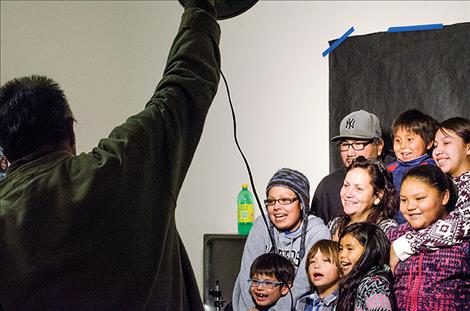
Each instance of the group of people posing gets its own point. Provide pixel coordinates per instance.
(396, 236)
(84, 232)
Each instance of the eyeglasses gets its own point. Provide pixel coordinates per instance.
(266, 284)
(357, 146)
(282, 201)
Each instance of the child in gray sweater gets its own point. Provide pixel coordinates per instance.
(292, 232)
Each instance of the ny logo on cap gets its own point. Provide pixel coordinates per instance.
(350, 123)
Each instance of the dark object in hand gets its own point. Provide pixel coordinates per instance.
(228, 8)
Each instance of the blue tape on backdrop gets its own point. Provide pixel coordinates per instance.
(338, 42)
(415, 28)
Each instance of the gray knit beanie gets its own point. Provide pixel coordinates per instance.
(297, 182)
(293, 180)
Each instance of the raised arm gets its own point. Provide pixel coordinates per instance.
(164, 136)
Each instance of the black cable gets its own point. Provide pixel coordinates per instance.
(234, 119)
(287, 285)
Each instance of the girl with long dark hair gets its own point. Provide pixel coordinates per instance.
(367, 280)
(452, 153)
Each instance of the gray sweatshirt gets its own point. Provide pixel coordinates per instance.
(288, 245)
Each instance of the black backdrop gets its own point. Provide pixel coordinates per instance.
(388, 73)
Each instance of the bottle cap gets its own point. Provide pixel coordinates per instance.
(244, 186)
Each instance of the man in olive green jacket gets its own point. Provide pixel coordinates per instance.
(96, 231)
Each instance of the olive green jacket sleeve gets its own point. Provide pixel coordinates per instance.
(97, 231)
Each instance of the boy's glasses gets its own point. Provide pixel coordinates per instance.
(266, 284)
(282, 201)
(357, 146)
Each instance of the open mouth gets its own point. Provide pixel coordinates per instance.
(349, 206)
(406, 154)
(261, 297)
(280, 217)
(317, 276)
(441, 160)
(346, 265)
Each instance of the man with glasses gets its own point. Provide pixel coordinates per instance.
(360, 135)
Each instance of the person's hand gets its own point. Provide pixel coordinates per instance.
(394, 260)
(253, 309)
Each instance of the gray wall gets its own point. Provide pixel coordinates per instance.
(109, 55)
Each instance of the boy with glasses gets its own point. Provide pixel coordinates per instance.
(290, 232)
(360, 135)
(271, 276)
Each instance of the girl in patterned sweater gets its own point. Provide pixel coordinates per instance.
(452, 155)
(367, 280)
(438, 280)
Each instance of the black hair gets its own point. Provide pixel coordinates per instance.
(460, 126)
(381, 183)
(416, 122)
(435, 178)
(33, 113)
(375, 257)
(274, 265)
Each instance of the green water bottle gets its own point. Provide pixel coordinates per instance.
(245, 210)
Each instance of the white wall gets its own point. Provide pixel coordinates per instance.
(109, 55)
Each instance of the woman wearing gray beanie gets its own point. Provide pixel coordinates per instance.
(293, 231)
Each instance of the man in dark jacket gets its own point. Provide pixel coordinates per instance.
(96, 231)
(360, 135)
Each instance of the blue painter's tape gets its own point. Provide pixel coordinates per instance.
(338, 42)
(415, 28)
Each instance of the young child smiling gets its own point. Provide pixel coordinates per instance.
(367, 281)
(271, 276)
(437, 280)
(290, 232)
(413, 136)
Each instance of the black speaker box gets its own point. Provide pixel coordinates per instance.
(222, 258)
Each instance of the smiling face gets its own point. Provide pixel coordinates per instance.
(357, 194)
(408, 145)
(451, 153)
(284, 217)
(323, 274)
(350, 251)
(372, 150)
(267, 296)
(422, 204)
